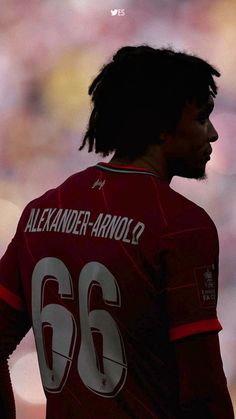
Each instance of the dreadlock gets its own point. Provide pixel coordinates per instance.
(141, 92)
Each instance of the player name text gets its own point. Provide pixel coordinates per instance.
(80, 222)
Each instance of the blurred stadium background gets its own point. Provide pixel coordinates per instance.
(49, 53)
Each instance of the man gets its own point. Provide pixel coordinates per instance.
(116, 272)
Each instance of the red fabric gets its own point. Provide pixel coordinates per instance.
(123, 167)
(150, 257)
(10, 298)
(194, 328)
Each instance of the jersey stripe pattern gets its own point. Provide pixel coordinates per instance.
(110, 268)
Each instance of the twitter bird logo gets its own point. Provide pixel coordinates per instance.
(114, 12)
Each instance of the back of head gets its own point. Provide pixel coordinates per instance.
(142, 92)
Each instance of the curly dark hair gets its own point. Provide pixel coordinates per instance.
(140, 93)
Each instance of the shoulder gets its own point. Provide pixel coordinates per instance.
(52, 198)
(186, 213)
(188, 223)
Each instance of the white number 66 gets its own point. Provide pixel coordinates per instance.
(64, 330)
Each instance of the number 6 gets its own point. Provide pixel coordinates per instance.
(109, 383)
(61, 320)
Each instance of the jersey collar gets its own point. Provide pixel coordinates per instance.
(110, 167)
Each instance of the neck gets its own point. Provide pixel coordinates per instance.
(151, 160)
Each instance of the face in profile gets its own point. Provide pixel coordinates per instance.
(189, 147)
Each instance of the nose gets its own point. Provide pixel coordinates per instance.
(213, 134)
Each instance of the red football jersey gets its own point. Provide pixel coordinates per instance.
(109, 269)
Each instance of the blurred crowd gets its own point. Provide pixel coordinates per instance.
(49, 53)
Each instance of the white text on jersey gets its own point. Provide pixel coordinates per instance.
(79, 222)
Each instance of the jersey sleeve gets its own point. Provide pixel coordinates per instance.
(14, 317)
(10, 284)
(190, 251)
(13, 327)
